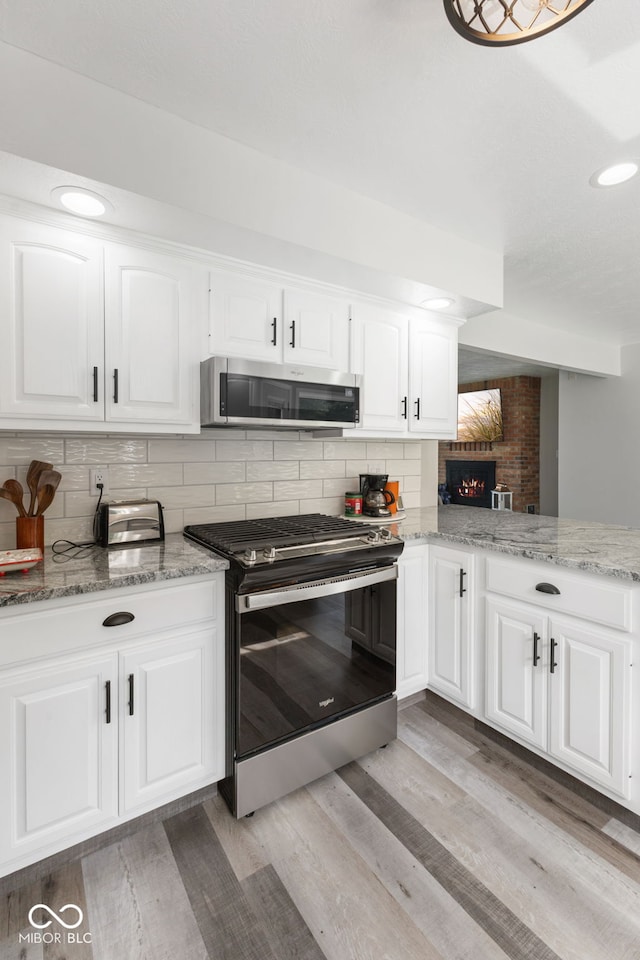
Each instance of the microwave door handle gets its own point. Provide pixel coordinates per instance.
(309, 591)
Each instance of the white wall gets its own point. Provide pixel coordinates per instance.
(549, 445)
(599, 445)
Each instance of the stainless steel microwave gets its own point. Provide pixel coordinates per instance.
(236, 392)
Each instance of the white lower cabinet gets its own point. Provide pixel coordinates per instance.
(561, 684)
(411, 656)
(452, 647)
(113, 725)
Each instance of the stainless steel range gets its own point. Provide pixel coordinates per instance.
(311, 648)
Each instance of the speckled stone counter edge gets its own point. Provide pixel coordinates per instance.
(101, 569)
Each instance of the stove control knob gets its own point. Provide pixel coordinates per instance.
(373, 536)
(269, 553)
(250, 556)
(385, 534)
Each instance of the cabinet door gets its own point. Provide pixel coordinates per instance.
(590, 702)
(411, 662)
(316, 330)
(380, 352)
(433, 379)
(451, 646)
(245, 317)
(169, 700)
(58, 743)
(51, 321)
(516, 665)
(150, 337)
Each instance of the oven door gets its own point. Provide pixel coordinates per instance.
(312, 653)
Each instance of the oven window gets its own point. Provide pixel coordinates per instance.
(304, 663)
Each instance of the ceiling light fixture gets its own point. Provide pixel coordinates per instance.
(437, 303)
(78, 200)
(615, 174)
(504, 22)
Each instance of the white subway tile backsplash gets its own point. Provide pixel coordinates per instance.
(234, 511)
(100, 450)
(297, 489)
(23, 449)
(125, 475)
(273, 470)
(297, 450)
(243, 492)
(162, 451)
(344, 449)
(217, 476)
(231, 472)
(277, 508)
(321, 468)
(244, 450)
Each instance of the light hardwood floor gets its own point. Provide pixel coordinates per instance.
(443, 846)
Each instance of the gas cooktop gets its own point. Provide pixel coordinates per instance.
(266, 541)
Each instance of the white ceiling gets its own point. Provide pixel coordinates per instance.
(383, 97)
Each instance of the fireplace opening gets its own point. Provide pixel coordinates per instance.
(470, 482)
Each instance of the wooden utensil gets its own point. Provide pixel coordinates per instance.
(14, 488)
(35, 469)
(46, 494)
(49, 477)
(6, 495)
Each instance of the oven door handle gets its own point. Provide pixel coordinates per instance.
(309, 591)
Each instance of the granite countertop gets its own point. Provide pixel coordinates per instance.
(599, 548)
(95, 569)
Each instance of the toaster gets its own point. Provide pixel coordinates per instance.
(124, 522)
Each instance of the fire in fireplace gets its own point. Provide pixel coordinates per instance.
(470, 482)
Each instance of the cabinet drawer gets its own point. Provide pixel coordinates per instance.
(599, 599)
(49, 627)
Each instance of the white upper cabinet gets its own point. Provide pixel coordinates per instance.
(316, 330)
(149, 337)
(51, 319)
(245, 317)
(95, 333)
(263, 320)
(380, 354)
(409, 367)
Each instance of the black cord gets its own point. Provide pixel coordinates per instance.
(75, 551)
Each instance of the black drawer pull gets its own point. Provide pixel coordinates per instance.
(405, 400)
(292, 327)
(117, 619)
(107, 707)
(552, 661)
(547, 588)
(95, 384)
(274, 327)
(130, 694)
(115, 385)
(462, 587)
(536, 655)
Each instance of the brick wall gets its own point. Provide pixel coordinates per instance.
(518, 455)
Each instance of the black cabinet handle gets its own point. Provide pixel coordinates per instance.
(552, 660)
(293, 333)
(95, 384)
(405, 401)
(274, 326)
(547, 588)
(107, 695)
(115, 385)
(130, 681)
(536, 655)
(417, 402)
(463, 589)
(117, 619)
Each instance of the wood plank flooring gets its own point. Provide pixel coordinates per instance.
(443, 846)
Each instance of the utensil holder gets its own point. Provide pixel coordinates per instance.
(30, 533)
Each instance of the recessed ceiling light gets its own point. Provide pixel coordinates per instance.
(83, 202)
(437, 303)
(615, 174)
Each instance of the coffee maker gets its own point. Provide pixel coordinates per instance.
(375, 499)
